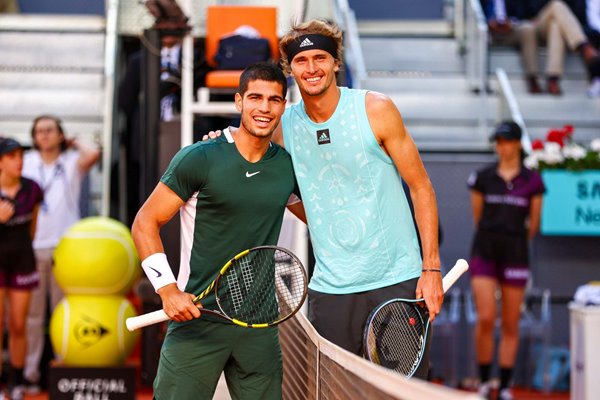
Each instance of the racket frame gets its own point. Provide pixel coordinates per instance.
(449, 279)
(154, 317)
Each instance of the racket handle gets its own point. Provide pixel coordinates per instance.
(452, 276)
(143, 320)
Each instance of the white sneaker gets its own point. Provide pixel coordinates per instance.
(17, 393)
(594, 89)
(485, 389)
(505, 394)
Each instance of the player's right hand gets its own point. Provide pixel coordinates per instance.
(212, 135)
(178, 305)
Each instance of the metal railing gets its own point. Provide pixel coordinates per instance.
(471, 33)
(459, 24)
(345, 18)
(110, 60)
(508, 107)
(476, 46)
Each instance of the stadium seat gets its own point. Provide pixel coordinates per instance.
(222, 20)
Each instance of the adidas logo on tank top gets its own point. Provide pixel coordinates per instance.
(323, 136)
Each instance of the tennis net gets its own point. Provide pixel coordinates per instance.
(316, 369)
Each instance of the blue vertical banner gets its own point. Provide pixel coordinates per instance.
(572, 203)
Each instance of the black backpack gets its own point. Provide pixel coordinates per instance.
(238, 52)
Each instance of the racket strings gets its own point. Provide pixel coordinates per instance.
(264, 286)
(290, 282)
(396, 337)
(235, 292)
(239, 284)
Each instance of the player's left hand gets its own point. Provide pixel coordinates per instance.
(429, 287)
(212, 135)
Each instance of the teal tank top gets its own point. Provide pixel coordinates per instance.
(359, 219)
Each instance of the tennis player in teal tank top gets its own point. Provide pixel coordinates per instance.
(350, 150)
(231, 194)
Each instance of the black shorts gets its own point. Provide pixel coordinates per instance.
(502, 256)
(17, 266)
(341, 318)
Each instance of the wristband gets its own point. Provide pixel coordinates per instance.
(431, 270)
(158, 270)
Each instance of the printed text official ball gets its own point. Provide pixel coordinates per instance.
(96, 256)
(89, 331)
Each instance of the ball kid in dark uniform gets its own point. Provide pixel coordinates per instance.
(506, 198)
(20, 199)
(231, 194)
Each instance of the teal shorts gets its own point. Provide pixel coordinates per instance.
(195, 353)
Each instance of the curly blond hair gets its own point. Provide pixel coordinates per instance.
(315, 26)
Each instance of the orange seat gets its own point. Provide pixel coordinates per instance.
(222, 20)
(223, 79)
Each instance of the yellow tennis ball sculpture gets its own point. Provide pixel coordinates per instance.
(96, 256)
(89, 331)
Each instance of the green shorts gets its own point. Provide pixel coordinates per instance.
(195, 353)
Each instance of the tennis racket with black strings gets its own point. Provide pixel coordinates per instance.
(396, 331)
(257, 288)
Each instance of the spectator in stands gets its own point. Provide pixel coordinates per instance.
(59, 166)
(527, 22)
(20, 199)
(170, 103)
(592, 14)
(506, 198)
(129, 102)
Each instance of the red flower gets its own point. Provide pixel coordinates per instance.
(568, 129)
(556, 136)
(537, 144)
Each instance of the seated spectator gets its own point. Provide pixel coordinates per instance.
(529, 22)
(592, 14)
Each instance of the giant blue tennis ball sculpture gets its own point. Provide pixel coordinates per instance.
(89, 331)
(96, 256)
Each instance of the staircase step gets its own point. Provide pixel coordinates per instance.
(509, 59)
(417, 83)
(443, 107)
(430, 137)
(52, 51)
(80, 104)
(20, 80)
(52, 64)
(412, 54)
